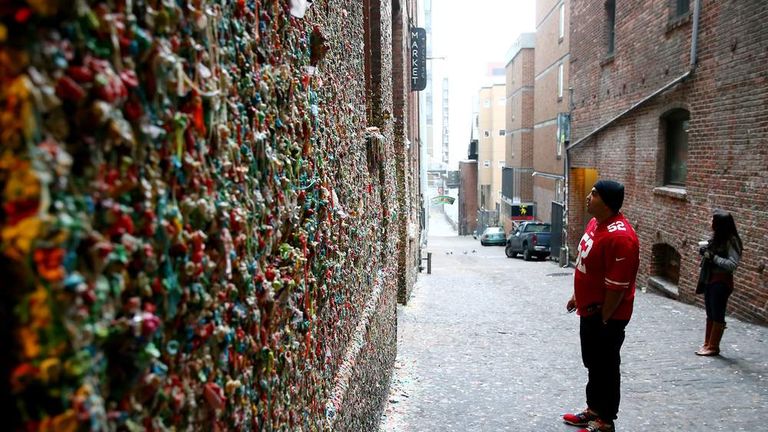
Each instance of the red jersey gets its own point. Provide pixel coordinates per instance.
(608, 259)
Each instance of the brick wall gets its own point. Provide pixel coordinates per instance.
(405, 105)
(468, 197)
(551, 52)
(727, 156)
(520, 100)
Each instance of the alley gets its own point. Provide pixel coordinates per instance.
(486, 345)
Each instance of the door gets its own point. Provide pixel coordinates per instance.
(582, 180)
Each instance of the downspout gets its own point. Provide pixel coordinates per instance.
(691, 69)
(565, 256)
(695, 36)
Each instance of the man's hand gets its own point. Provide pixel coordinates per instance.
(571, 305)
(708, 255)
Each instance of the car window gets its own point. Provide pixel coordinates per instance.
(537, 228)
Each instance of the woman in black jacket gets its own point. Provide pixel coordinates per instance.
(720, 257)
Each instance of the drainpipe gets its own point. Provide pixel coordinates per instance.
(565, 256)
(691, 69)
(695, 36)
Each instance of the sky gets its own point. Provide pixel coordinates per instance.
(470, 35)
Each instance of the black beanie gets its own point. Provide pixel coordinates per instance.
(611, 192)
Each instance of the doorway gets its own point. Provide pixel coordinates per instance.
(582, 180)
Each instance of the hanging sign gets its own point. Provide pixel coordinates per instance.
(418, 59)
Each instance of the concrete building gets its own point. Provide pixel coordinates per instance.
(444, 153)
(551, 102)
(681, 121)
(428, 92)
(491, 146)
(517, 181)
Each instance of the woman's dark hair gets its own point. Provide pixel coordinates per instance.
(724, 228)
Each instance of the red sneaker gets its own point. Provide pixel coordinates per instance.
(580, 419)
(599, 426)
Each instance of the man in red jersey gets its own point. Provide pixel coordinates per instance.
(604, 291)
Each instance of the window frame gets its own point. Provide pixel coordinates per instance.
(561, 28)
(676, 8)
(560, 81)
(676, 125)
(610, 11)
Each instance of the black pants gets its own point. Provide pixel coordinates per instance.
(600, 346)
(716, 300)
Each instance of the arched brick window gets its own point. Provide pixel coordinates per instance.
(675, 136)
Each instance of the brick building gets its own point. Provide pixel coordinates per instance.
(407, 147)
(517, 182)
(551, 100)
(682, 121)
(467, 223)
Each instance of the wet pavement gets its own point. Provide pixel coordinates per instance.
(485, 344)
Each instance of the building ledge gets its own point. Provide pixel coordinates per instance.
(672, 192)
(608, 59)
(678, 21)
(663, 286)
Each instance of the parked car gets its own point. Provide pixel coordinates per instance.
(493, 236)
(531, 239)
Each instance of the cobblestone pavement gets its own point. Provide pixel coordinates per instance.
(485, 344)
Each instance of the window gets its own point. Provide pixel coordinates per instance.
(486, 163)
(486, 134)
(487, 103)
(682, 7)
(502, 132)
(610, 11)
(562, 21)
(502, 164)
(676, 123)
(560, 79)
(502, 101)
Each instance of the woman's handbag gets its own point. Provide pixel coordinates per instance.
(703, 276)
